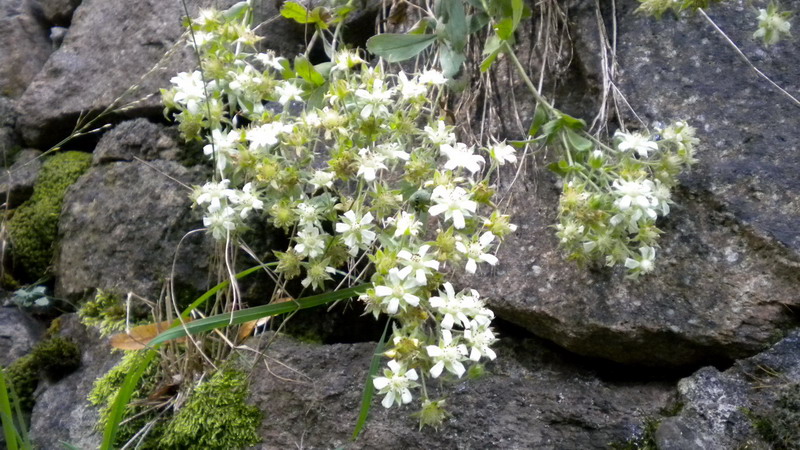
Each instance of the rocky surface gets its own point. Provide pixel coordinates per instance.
(59, 12)
(16, 183)
(718, 406)
(111, 47)
(137, 139)
(9, 141)
(727, 278)
(531, 398)
(120, 227)
(18, 334)
(25, 43)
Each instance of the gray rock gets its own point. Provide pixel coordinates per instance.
(9, 141)
(716, 403)
(16, 182)
(120, 227)
(532, 398)
(109, 48)
(23, 38)
(57, 35)
(59, 12)
(62, 412)
(18, 334)
(727, 271)
(137, 139)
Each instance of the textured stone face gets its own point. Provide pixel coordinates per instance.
(727, 268)
(25, 43)
(120, 228)
(18, 334)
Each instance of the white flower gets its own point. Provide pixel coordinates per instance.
(369, 164)
(246, 200)
(637, 193)
(447, 355)
(320, 179)
(421, 264)
(450, 307)
(501, 153)
(200, 39)
(440, 135)
(223, 146)
(189, 90)
(395, 384)
(317, 272)
(356, 231)
(346, 59)
(220, 222)
(772, 23)
(461, 156)
(454, 203)
(662, 197)
(308, 214)
(215, 194)
(288, 92)
(392, 150)
(265, 136)
(310, 242)
(398, 292)
(376, 100)
(480, 337)
(645, 263)
(432, 76)
(635, 142)
(268, 59)
(475, 251)
(681, 133)
(406, 225)
(410, 88)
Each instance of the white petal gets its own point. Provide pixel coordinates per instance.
(471, 266)
(394, 303)
(437, 209)
(411, 374)
(412, 300)
(457, 368)
(436, 370)
(388, 400)
(474, 355)
(434, 351)
(380, 382)
(458, 220)
(382, 291)
(491, 259)
(406, 395)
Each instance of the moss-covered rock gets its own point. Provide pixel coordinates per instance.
(53, 358)
(34, 226)
(106, 313)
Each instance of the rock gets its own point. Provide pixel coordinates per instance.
(120, 227)
(137, 139)
(720, 407)
(57, 35)
(62, 413)
(110, 47)
(23, 38)
(530, 398)
(9, 141)
(59, 12)
(727, 273)
(16, 183)
(18, 334)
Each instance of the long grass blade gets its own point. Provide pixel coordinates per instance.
(369, 388)
(122, 399)
(9, 430)
(255, 313)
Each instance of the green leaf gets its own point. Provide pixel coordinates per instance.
(369, 388)
(306, 71)
(571, 122)
(578, 142)
(236, 11)
(9, 431)
(555, 167)
(516, 14)
(456, 26)
(450, 61)
(296, 12)
(255, 313)
(505, 28)
(317, 98)
(476, 22)
(399, 47)
(121, 401)
(494, 46)
(539, 119)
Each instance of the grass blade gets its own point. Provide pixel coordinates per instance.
(369, 388)
(258, 312)
(9, 430)
(121, 402)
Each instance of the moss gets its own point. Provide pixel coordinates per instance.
(54, 358)
(105, 391)
(644, 440)
(34, 225)
(106, 313)
(215, 416)
(780, 425)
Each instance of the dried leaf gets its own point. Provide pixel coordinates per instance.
(138, 337)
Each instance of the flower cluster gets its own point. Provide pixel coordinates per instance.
(358, 168)
(612, 196)
(773, 24)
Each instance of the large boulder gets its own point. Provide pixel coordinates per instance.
(18, 334)
(120, 227)
(137, 139)
(532, 397)
(16, 182)
(727, 275)
(25, 43)
(59, 12)
(755, 401)
(9, 140)
(112, 47)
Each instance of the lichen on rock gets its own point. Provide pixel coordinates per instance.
(34, 225)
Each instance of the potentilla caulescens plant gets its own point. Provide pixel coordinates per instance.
(368, 181)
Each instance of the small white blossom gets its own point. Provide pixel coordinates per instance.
(346, 59)
(321, 179)
(447, 355)
(288, 92)
(308, 215)
(398, 291)
(461, 156)
(433, 77)
(410, 89)
(269, 59)
(215, 194)
(502, 153)
(422, 264)
(376, 100)
(267, 135)
(480, 337)
(189, 90)
(246, 200)
(644, 264)
(772, 24)
(223, 147)
(395, 384)
(635, 142)
(441, 135)
(475, 251)
(454, 203)
(392, 151)
(310, 242)
(406, 225)
(220, 222)
(369, 164)
(356, 231)
(637, 193)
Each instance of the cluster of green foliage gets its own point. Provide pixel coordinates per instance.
(780, 426)
(34, 225)
(215, 415)
(106, 313)
(54, 357)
